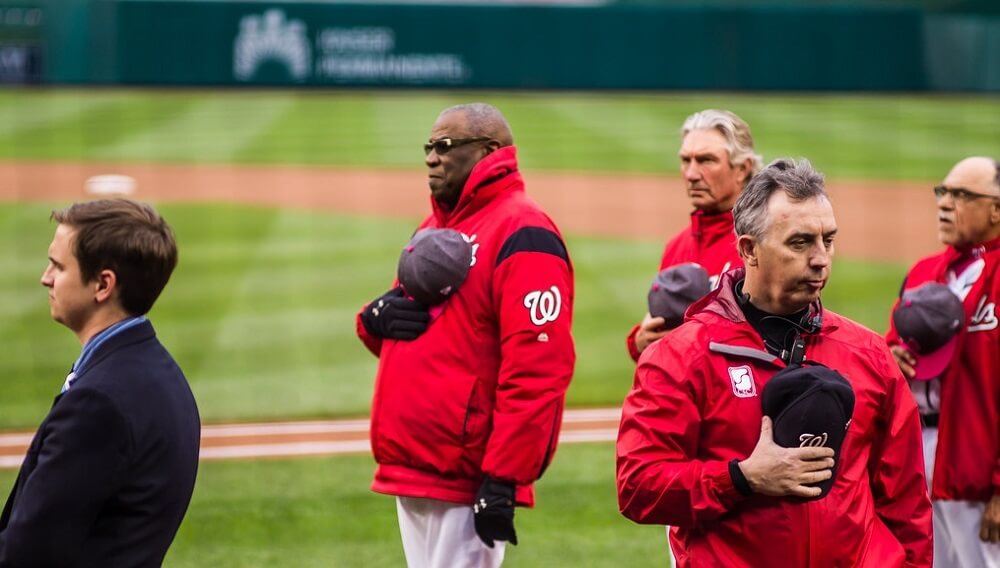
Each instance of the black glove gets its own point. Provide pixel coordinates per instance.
(494, 512)
(394, 316)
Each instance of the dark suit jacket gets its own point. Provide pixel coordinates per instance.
(110, 472)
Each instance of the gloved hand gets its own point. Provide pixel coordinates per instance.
(494, 512)
(394, 316)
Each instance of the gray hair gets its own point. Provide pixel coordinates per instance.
(799, 180)
(484, 119)
(739, 142)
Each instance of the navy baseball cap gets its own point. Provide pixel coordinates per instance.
(810, 406)
(927, 320)
(674, 289)
(433, 265)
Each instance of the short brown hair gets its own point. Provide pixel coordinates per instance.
(130, 239)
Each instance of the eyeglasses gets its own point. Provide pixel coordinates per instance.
(959, 193)
(444, 145)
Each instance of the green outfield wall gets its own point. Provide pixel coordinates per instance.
(867, 46)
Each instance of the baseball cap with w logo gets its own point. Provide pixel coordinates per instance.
(927, 320)
(810, 406)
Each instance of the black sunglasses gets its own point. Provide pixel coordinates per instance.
(959, 193)
(444, 145)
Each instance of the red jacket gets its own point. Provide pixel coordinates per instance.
(482, 390)
(685, 419)
(967, 463)
(710, 241)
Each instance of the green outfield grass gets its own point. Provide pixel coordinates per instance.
(319, 513)
(877, 137)
(260, 312)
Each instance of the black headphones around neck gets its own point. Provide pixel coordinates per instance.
(810, 322)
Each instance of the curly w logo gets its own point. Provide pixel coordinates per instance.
(812, 440)
(985, 316)
(543, 305)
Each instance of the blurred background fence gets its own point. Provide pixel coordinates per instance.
(866, 45)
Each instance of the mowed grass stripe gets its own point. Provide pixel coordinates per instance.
(644, 136)
(35, 352)
(285, 342)
(200, 293)
(318, 130)
(402, 125)
(82, 136)
(17, 115)
(210, 130)
(612, 277)
(853, 136)
(319, 512)
(273, 385)
(858, 137)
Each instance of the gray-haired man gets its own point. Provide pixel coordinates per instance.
(695, 450)
(717, 159)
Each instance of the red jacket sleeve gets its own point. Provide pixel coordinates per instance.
(996, 477)
(633, 349)
(373, 343)
(896, 469)
(660, 481)
(533, 299)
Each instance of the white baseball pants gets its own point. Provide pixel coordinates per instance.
(956, 525)
(439, 534)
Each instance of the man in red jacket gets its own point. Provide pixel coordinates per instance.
(717, 159)
(961, 407)
(468, 402)
(696, 452)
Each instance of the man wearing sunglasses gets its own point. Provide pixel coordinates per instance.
(717, 160)
(961, 406)
(468, 401)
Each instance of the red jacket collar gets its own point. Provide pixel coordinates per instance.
(977, 251)
(953, 256)
(722, 302)
(711, 225)
(491, 176)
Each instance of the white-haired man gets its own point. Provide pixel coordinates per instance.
(717, 159)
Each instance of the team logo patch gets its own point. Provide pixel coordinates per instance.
(742, 380)
(475, 246)
(985, 316)
(543, 305)
(961, 284)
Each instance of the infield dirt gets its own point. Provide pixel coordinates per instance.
(883, 221)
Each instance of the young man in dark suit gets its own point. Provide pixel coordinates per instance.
(110, 472)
